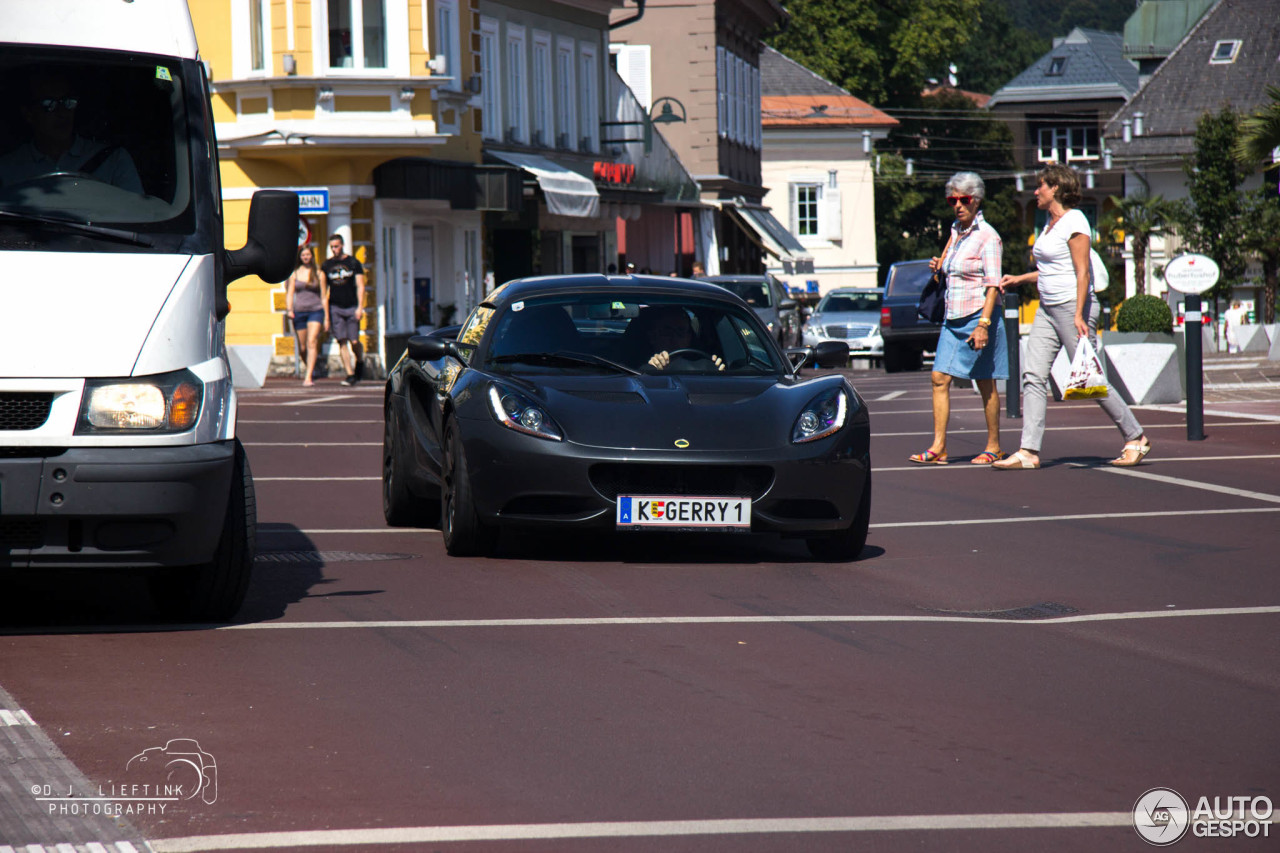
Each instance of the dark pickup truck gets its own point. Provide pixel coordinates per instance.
(906, 336)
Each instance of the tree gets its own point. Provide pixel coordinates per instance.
(1211, 223)
(1140, 216)
(1003, 52)
(1260, 236)
(1260, 131)
(880, 50)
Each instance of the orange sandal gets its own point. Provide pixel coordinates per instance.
(986, 457)
(928, 458)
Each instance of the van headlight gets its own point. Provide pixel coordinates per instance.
(168, 402)
(516, 411)
(824, 415)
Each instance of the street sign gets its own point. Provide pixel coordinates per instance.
(1191, 273)
(304, 231)
(312, 199)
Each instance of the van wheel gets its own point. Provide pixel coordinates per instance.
(846, 545)
(214, 591)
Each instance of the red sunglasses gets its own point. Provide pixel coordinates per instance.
(962, 199)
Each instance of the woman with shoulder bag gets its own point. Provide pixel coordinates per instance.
(1067, 313)
(971, 344)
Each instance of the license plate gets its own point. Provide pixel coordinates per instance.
(635, 511)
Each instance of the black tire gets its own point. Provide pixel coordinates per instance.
(894, 355)
(464, 534)
(846, 545)
(400, 507)
(214, 591)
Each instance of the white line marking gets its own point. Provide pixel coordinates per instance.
(269, 529)
(636, 829)
(1011, 428)
(311, 445)
(1194, 484)
(126, 847)
(310, 401)
(1183, 513)
(965, 464)
(573, 622)
(16, 718)
(1223, 414)
(892, 395)
(300, 422)
(310, 479)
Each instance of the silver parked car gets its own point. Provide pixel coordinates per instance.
(851, 315)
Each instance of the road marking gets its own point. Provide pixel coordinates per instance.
(312, 401)
(268, 529)
(1222, 414)
(892, 395)
(1183, 513)
(571, 622)
(311, 479)
(299, 422)
(639, 829)
(1011, 428)
(1161, 461)
(87, 847)
(1194, 484)
(311, 444)
(15, 718)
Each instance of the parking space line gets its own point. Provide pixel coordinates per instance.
(1013, 428)
(1193, 484)
(1160, 461)
(602, 621)
(639, 829)
(312, 479)
(300, 422)
(892, 395)
(311, 444)
(1102, 516)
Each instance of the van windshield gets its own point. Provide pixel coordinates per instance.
(93, 138)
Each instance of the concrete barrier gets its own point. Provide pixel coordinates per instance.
(1144, 374)
(1253, 338)
(249, 365)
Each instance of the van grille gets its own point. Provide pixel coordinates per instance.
(20, 410)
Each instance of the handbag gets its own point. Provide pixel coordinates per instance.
(932, 306)
(1087, 381)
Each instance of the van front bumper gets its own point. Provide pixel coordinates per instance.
(83, 507)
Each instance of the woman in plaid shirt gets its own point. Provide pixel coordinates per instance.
(972, 342)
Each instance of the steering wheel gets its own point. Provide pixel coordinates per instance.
(60, 174)
(689, 354)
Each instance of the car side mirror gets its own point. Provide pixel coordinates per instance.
(431, 348)
(787, 305)
(831, 354)
(272, 241)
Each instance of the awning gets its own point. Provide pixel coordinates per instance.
(770, 234)
(567, 192)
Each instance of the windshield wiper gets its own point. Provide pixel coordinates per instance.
(80, 227)
(565, 358)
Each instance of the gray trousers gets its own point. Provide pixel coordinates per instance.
(1053, 329)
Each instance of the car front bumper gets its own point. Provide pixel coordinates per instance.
(521, 480)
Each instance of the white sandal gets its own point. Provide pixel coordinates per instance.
(1122, 461)
(1016, 461)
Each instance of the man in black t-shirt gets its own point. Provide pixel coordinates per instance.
(345, 276)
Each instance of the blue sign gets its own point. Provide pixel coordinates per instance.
(312, 199)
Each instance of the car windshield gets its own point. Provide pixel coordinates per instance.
(628, 333)
(93, 137)
(834, 302)
(754, 293)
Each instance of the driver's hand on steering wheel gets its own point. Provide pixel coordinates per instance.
(662, 359)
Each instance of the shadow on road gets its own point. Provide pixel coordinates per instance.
(660, 548)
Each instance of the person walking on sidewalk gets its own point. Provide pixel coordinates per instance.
(1067, 313)
(345, 276)
(306, 302)
(970, 345)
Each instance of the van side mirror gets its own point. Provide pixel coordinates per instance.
(273, 238)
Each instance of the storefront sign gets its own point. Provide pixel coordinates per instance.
(613, 173)
(1191, 273)
(312, 199)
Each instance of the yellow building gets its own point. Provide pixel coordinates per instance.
(371, 110)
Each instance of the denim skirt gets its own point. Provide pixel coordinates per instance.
(956, 359)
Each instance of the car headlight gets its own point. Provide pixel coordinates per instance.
(169, 402)
(516, 411)
(823, 415)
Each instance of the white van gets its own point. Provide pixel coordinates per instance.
(118, 444)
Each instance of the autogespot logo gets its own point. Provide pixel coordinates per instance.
(1161, 816)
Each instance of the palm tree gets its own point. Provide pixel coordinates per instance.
(1142, 217)
(1260, 132)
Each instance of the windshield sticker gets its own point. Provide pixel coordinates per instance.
(517, 306)
(162, 73)
(618, 306)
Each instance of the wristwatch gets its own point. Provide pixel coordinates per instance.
(983, 321)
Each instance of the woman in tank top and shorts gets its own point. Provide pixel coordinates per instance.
(307, 303)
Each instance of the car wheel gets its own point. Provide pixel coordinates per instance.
(400, 507)
(894, 358)
(214, 591)
(464, 534)
(846, 545)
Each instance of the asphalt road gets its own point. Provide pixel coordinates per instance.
(1015, 660)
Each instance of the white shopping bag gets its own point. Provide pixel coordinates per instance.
(1087, 381)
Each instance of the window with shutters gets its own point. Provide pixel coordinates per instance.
(567, 95)
(259, 27)
(491, 87)
(447, 39)
(517, 129)
(805, 202)
(541, 83)
(589, 101)
(633, 68)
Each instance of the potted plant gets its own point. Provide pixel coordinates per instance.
(1144, 360)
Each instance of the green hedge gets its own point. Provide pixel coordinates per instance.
(1144, 313)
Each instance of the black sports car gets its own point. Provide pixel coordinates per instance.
(623, 402)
